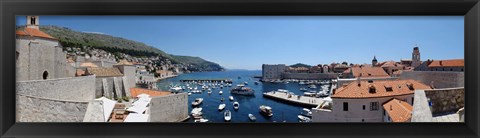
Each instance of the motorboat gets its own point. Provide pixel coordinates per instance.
(209, 92)
(197, 101)
(256, 82)
(221, 107)
(301, 83)
(246, 83)
(266, 110)
(196, 111)
(230, 97)
(176, 89)
(306, 112)
(311, 94)
(227, 115)
(220, 92)
(201, 120)
(236, 105)
(242, 90)
(252, 117)
(189, 93)
(303, 89)
(312, 86)
(302, 118)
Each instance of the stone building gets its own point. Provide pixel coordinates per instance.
(272, 71)
(110, 82)
(416, 57)
(391, 66)
(362, 101)
(365, 72)
(39, 56)
(457, 65)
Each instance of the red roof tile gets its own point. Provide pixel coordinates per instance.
(398, 111)
(367, 72)
(137, 91)
(33, 32)
(448, 63)
(399, 87)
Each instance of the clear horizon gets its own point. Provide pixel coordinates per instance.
(247, 42)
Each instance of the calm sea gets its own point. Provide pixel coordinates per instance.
(248, 104)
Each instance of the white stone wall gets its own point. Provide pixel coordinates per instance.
(441, 79)
(129, 73)
(170, 108)
(35, 109)
(111, 87)
(309, 76)
(355, 111)
(80, 89)
(272, 72)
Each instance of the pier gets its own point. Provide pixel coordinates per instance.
(207, 80)
(287, 97)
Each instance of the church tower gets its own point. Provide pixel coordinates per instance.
(33, 22)
(416, 57)
(374, 61)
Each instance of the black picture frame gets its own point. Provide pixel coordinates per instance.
(470, 9)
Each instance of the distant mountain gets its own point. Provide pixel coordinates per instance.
(71, 38)
(300, 65)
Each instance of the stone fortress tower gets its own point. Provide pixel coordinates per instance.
(39, 56)
(416, 57)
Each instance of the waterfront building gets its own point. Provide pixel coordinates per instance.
(272, 71)
(316, 69)
(362, 100)
(447, 65)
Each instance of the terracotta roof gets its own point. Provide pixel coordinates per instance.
(33, 32)
(137, 91)
(367, 72)
(124, 62)
(391, 64)
(399, 87)
(448, 63)
(105, 72)
(398, 111)
(88, 64)
(80, 72)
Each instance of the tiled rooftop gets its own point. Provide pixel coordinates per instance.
(399, 111)
(447, 63)
(33, 32)
(398, 87)
(137, 91)
(104, 72)
(367, 72)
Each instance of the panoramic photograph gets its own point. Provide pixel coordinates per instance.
(240, 69)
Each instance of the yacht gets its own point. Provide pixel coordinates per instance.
(236, 105)
(303, 118)
(266, 110)
(306, 112)
(242, 90)
(197, 101)
(227, 115)
(221, 107)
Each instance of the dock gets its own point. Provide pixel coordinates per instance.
(286, 97)
(207, 80)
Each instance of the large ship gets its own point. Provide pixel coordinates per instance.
(242, 90)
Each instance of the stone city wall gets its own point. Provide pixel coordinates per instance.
(110, 87)
(446, 100)
(35, 109)
(309, 76)
(81, 89)
(169, 108)
(441, 79)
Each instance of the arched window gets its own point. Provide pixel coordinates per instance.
(16, 55)
(32, 20)
(45, 75)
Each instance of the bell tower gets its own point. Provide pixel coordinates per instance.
(416, 57)
(33, 22)
(374, 61)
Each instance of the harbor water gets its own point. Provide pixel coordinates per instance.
(282, 111)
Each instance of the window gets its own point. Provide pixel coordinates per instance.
(345, 106)
(32, 20)
(363, 107)
(373, 106)
(412, 100)
(45, 75)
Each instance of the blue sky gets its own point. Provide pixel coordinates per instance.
(247, 42)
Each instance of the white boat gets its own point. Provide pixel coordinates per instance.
(201, 120)
(209, 92)
(189, 93)
(221, 107)
(236, 105)
(227, 115)
(306, 112)
(311, 94)
(220, 92)
(252, 117)
(176, 89)
(282, 90)
(197, 101)
(196, 111)
(303, 89)
(242, 90)
(246, 83)
(301, 83)
(230, 97)
(302, 118)
(312, 86)
(266, 110)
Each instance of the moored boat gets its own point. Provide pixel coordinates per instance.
(266, 110)
(220, 92)
(302, 118)
(252, 117)
(227, 115)
(236, 105)
(221, 107)
(230, 97)
(197, 101)
(242, 90)
(306, 112)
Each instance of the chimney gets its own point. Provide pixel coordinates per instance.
(390, 107)
(358, 81)
(441, 63)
